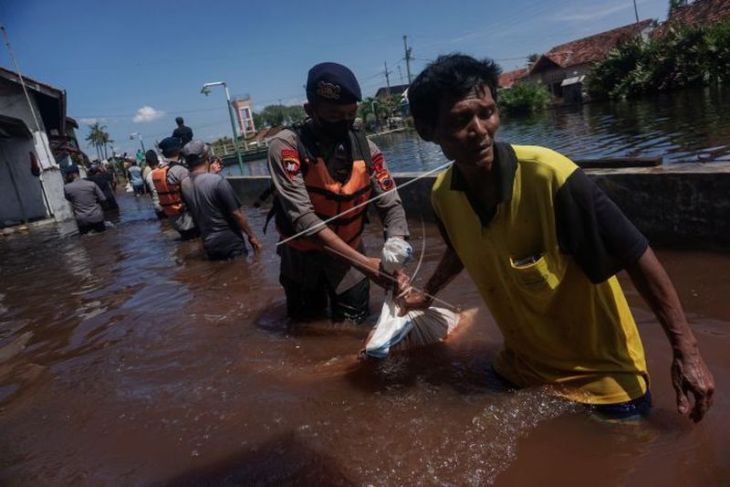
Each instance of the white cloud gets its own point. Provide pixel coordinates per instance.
(147, 114)
(91, 121)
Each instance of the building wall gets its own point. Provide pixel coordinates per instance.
(14, 104)
(553, 77)
(679, 205)
(244, 116)
(27, 202)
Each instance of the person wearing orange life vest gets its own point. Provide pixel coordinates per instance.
(319, 170)
(167, 182)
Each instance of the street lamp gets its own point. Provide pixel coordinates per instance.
(206, 91)
(139, 136)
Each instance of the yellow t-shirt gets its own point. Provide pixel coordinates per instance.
(559, 328)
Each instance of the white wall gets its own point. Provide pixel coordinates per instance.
(14, 104)
(28, 201)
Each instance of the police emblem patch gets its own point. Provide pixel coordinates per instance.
(382, 176)
(290, 162)
(328, 90)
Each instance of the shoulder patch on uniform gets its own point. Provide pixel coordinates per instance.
(382, 176)
(290, 162)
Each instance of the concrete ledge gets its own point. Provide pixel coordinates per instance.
(680, 205)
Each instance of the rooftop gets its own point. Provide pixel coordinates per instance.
(589, 49)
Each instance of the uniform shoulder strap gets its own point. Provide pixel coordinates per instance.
(306, 146)
(361, 148)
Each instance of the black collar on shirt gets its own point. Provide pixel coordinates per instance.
(505, 163)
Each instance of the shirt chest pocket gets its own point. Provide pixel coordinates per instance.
(534, 274)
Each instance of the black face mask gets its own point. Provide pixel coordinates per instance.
(334, 130)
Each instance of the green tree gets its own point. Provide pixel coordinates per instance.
(279, 115)
(376, 112)
(683, 57)
(524, 98)
(99, 138)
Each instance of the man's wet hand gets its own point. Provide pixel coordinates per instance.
(413, 300)
(255, 243)
(375, 273)
(690, 375)
(403, 283)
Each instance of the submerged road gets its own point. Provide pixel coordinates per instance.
(127, 358)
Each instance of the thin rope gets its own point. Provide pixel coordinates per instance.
(32, 111)
(364, 203)
(395, 281)
(423, 249)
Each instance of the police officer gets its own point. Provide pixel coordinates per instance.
(320, 170)
(167, 181)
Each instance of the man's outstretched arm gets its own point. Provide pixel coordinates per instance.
(447, 269)
(689, 372)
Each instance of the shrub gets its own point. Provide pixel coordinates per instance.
(682, 58)
(524, 98)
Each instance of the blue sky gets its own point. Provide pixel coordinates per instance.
(135, 65)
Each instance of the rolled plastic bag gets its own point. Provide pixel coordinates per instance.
(416, 328)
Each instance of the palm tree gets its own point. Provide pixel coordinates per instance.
(93, 137)
(99, 138)
(106, 141)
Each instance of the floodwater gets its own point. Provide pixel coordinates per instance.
(126, 358)
(685, 126)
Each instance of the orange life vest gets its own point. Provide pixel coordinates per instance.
(330, 197)
(169, 194)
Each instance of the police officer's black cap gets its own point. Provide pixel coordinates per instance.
(170, 144)
(334, 83)
(71, 169)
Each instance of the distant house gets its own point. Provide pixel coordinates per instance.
(697, 13)
(508, 79)
(394, 90)
(563, 68)
(25, 150)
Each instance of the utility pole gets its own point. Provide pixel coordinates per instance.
(387, 79)
(400, 73)
(407, 58)
(636, 12)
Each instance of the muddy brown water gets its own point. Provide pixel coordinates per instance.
(128, 359)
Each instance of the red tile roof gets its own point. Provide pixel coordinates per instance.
(589, 49)
(506, 80)
(697, 13)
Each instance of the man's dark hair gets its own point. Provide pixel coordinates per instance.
(193, 161)
(179, 120)
(451, 76)
(151, 157)
(171, 152)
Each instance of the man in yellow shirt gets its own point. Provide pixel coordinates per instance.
(542, 243)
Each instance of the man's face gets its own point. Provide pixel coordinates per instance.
(466, 127)
(332, 121)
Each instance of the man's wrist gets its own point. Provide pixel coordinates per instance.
(685, 347)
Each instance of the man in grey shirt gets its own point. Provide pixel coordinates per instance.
(85, 198)
(215, 207)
